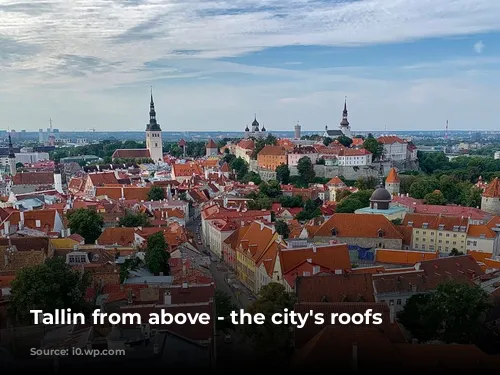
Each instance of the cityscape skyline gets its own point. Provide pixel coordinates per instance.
(402, 66)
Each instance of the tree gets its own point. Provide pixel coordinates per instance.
(397, 221)
(454, 252)
(269, 338)
(156, 193)
(282, 228)
(271, 189)
(87, 223)
(223, 308)
(290, 202)
(228, 158)
(283, 174)
(132, 220)
(252, 177)
(423, 186)
(310, 211)
(341, 194)
(130, 264)
(436, 197)
(453, 314)
(157, 255)
(349, 205)
(306, 169)
(364, 183)
(345, 141)
(374, 146)
(327, 141)
(240, 166)
(48, 286)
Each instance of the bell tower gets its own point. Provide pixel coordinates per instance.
(153, 134)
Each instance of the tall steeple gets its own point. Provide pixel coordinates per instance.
(12, 159)
(154, 142)
(344, 122)
(153, 124)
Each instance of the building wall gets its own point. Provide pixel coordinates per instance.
(384, 243)
(154, 145)
(351, 161)
(485, 245)
(271, 162)
(491, 205)
(438, 240)
(392, 188)
(245, 270)
(395, 151)
(293, 159)
(242, 153)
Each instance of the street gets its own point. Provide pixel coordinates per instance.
(240, 350)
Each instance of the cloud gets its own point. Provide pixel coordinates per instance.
(479, 47)
(137, 31)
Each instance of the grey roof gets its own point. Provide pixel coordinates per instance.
(334, 133)
(381, 195)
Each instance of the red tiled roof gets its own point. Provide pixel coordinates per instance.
(138, 153)
(33, 178)
(358, 225)
(335, 288)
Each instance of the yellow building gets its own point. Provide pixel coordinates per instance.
(250, 249)
(437, 232)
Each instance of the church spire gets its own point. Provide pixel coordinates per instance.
(344, 122)
(153, 124)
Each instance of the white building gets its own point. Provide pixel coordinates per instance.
(351, 157)
(395, 148)
(256, 131)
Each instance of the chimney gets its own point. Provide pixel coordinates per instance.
(123, 193)
(21, 218)
(391, 313)
(167, 298)
(354, 359)
(184, 285)
(314, 248)
(68, 232)
(6, 227)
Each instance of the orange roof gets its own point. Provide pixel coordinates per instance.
(211, 144)
(336, 181)
(389, 139)
(403, 257)
(186, 170)
(256, 241)
(273, 150)
(477, 231)
(493, 189)
(358, 225)
(332, 257)
(118, 236)
(392, 177)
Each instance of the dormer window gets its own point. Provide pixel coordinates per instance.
(334, 232)
(410, 223)
(441, 226)
(380, 233)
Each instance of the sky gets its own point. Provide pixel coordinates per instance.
(213, 64)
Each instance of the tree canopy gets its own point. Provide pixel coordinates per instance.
(48, 286)
(240, 166)
(157, 255)
(374, 146)
(223, 308)
(282, 228)
(87, 223)
(271, 338)
(283, 174)
(133, 220)
(452, 314)
(306, 169)
(156, 193)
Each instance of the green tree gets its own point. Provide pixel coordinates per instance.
(454, 252)
(310, 211)
(342, 194)
(423, 186)
(436, 197)
(374, 146)
(130, 264)
(48, 286)
(228, 158)
(270, 339)
(345, 141)
(251, 177)
(240, 166)
(157, 255)
(453, 314)
(223, 308)
(87, 223)
(282, 228)
(133, 220)
(270, 189)
(470, 196)
(327, 141)
(290, 202)
(365, 183)
(156, 193)
(397, 221)
(306, 169)
(283, 174)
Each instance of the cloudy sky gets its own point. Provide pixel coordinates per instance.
(403, 64)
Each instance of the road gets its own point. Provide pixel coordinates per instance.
(240, 350)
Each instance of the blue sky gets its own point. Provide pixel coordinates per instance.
(402, 64)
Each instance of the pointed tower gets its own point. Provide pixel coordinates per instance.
(490, 201)
(153, 134)
(255, 125)
(392, 182)
(12, 159)
(344, 124)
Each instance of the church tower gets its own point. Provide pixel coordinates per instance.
(392, 182)
(12, 159)
(153, 134)
(344, 124)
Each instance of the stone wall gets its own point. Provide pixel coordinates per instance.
(367, 243)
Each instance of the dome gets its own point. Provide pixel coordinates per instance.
(381, 195)
(255, 123)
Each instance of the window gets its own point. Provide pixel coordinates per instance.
(398, 302)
